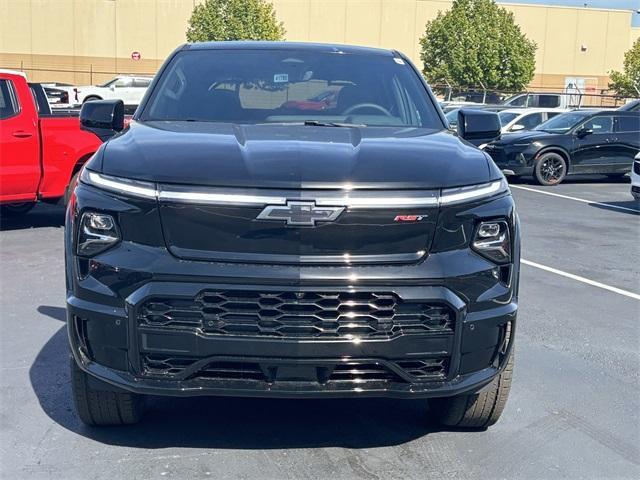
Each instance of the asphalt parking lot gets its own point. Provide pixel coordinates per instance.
(574, 410)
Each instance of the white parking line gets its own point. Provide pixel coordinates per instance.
(582, 279)
(592, 202)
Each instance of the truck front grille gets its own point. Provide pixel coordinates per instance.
(298, 314)
(351, 371)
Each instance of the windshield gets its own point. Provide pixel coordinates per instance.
(562, 123)
(506, 117)
(518, 100)
(108, 84)
(291, 86)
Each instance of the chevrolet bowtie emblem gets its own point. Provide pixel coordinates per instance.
(300, 214)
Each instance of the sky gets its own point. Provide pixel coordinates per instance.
(623, 4)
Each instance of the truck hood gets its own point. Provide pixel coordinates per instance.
(293, 156)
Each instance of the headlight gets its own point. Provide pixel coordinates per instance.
(473, 192)
(492, 241)
(96, 233)
(119, 185)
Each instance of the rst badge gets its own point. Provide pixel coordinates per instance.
(300, 214)
(409, 218)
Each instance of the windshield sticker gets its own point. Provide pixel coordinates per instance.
(281, 78)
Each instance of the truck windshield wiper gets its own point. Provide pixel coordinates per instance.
(318, 123)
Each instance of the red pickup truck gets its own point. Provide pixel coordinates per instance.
(40, 152)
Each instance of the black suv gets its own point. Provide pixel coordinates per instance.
(577, 142)
(235, 239)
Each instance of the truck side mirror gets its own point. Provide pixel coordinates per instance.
(104, 118)
(583, 132)
(478, 126)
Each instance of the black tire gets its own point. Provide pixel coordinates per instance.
(550, 169)
(102, 407)
(70, 187)
(16, 209)
(91, 98)
(479, 410)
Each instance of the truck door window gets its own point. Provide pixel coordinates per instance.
(141, 82)
(628, 124)
(548, 101)
(599, 124)
(8, 100)
(123, 83)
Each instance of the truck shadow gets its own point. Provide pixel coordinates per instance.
(42, 215)
(577, 179)
(231, 423)
(631, 207)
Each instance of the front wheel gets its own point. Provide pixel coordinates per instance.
(479, 410)
(550, 169)
(102, 407)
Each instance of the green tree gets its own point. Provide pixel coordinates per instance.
(476, 43)
(627, 82)
(234, 20)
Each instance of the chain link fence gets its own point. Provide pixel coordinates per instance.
(549, 96)
(543, 96)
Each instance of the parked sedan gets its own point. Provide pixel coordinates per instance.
(517, 119)
(581, 141)
(129, 89)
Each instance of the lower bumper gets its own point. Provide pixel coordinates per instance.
(290, 388)
(113, 346)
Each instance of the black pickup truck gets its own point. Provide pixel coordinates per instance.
(240, 238)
